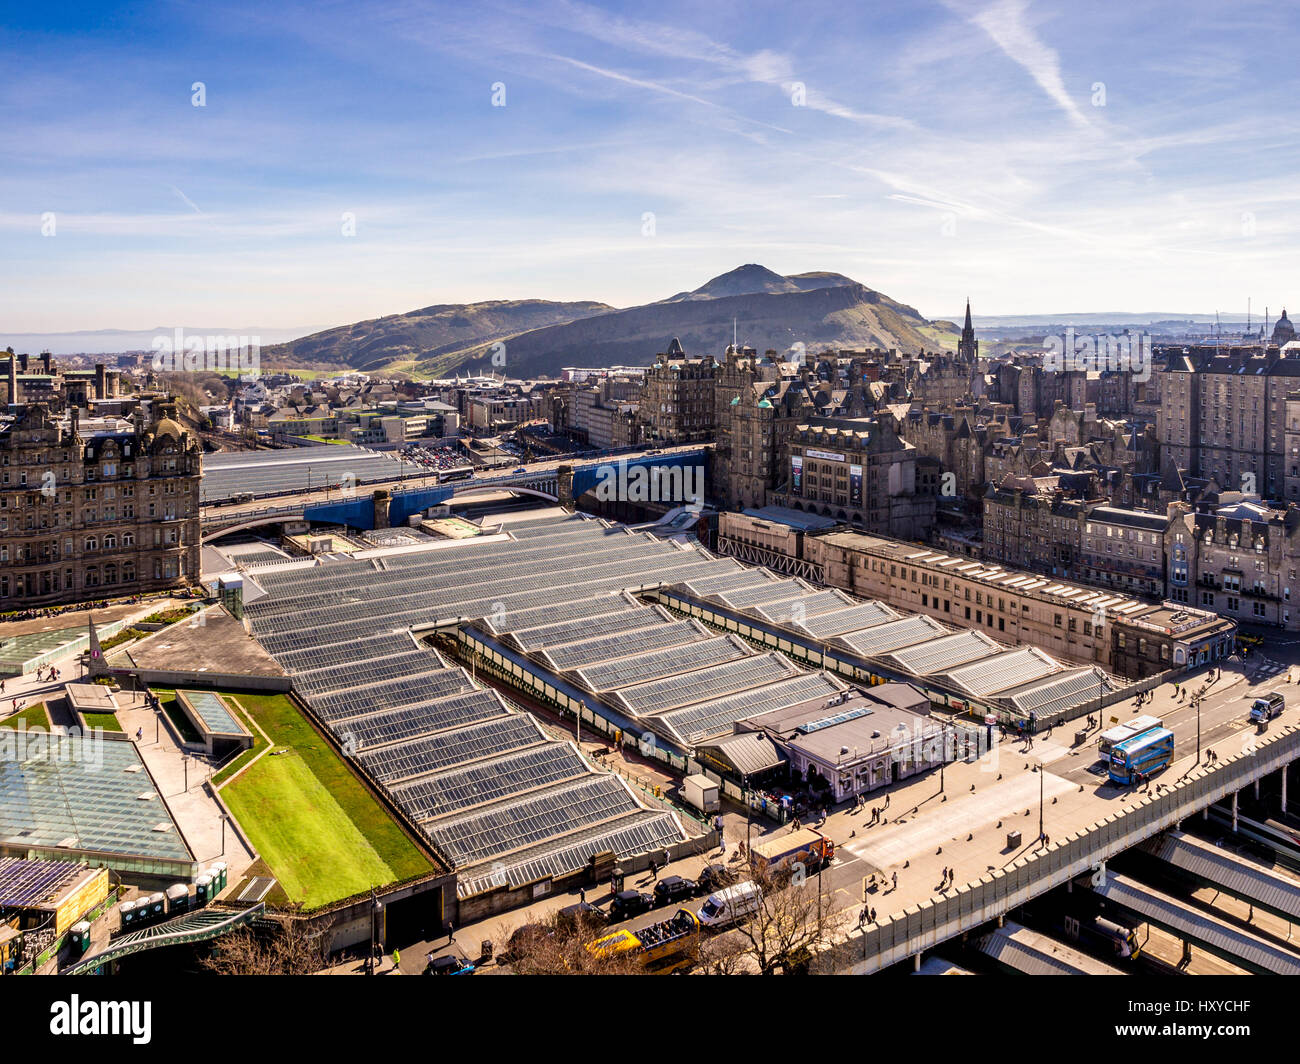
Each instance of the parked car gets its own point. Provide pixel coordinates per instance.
(521, 469)
(582, 914)
(629, 903)
(449, 965)
(713, 878)
(674, 888)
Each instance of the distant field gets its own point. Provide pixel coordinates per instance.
(321, 832)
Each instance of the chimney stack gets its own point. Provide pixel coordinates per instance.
(13, 380)
(101, 381)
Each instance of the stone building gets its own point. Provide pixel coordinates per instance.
(677, 400)
(1014, 607)
(1223, 415)
(1239, 560)
(856, 470)
(97, 507)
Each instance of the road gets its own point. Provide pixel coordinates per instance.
(964, 826)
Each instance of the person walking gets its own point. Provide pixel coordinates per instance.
(582, 895)
(895, 886)
(139, 734)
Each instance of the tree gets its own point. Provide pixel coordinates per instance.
(794, 925)
(559, 946)
(288, 946)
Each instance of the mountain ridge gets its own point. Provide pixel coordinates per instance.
(818, 309)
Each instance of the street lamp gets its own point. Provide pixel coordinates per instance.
(748, 806)
(1039, 770)
(375, 908)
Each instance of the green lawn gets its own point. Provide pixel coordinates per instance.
(322, 833)
(259, 744)
(107, 721)
(34, 716)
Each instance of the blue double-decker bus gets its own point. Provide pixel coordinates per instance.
(1142, 755)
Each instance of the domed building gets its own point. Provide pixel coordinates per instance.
(1283, 331)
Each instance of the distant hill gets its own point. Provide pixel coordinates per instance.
(820, 310)
(425, 334)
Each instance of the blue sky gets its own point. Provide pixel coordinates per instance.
(937, 150)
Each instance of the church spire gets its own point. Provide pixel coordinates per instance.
(968, 347)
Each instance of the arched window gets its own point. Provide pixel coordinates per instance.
(92, 576)
(92, 543)
(128, 572)
(110, 541)
(110, 574)
(128, 539)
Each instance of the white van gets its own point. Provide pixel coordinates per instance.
(731, 905)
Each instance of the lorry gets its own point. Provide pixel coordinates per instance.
(1267, 706)
(783, 853)
(665, 946)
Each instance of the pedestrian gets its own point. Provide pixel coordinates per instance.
(2, 687)
(397, 958)
(429, 958)
(139, 734)
(582, 895)
(895, 881)
(873, 916)
(886, 802)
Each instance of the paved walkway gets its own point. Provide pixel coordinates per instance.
(180, 777)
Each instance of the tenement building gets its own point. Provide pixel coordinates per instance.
(96, 507)
(1223, 415)
(677, 400)
(1239, 560)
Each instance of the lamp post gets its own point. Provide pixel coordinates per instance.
(375, 908)
(1198, 730)
(1040, 802)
